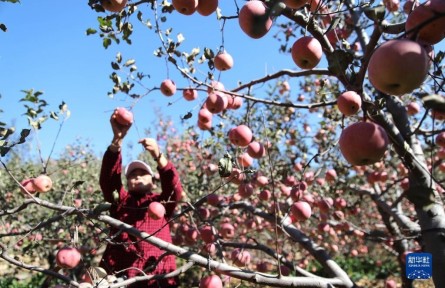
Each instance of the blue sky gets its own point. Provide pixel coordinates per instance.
(46, 48)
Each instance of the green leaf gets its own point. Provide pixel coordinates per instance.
(225, 166)
(115, 66)
(106, 42)
(91, 31)
(435, 102)
(4, 150)
(376, 13)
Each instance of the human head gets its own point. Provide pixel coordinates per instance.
(139, 177)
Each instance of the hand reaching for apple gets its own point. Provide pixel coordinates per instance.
(152, 147)
(121, 121)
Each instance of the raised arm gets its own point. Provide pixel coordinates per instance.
(170, 182)
(110, 174)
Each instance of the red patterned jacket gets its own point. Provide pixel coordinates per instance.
(126, 251)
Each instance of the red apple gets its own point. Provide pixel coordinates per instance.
(244, 160)
(216, 102)
(186, 7)
(440, 139)
(245, 190)
(207, 7)
(392, 5)
(235, 102)
(256, 150)
(204, 115)
(114, 5)
(363, 143)
(68, 257)
(413, 108)
(168, 87)
(123, 116)
(306, 52)
(190, 94)
(398, 67)
(211, 281)
(420, 25)
(390, 283)
(223, 61)
(295, 4)
(156, 210)
(207, 234)
(215, 86)
(254, 19)
(349, 103)
(227, 230)
(28, 185)
(42, 183)
(301, 210)
(265, 195)
(240, 257)
(240, 135)
(204, 125)
(331, 175)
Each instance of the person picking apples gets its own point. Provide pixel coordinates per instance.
(124, 253)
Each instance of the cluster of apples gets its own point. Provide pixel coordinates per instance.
(216, 102)
(41, 183)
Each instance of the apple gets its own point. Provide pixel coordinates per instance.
(245, 190)
(168, 87)
(295, 4)
(241, 135)
(244, 160)
(190, 94)
(207, 7)
(216, 102)
(240, 257)
(113, 5)
(211, 281)
(223, 61)
(265, 195)
(261, 181)
(392, 5)
(185, 7)
(204, 115)
(398, 67)
(42, 183)
(440, 139)
(237, 176)
(331, 175)
(68, 257)
(363, 143)
(123, 116)
(235, 102)
(390, 283)
(156, 210)
(412, 108)
(306, 52)
(207, 234)
(28, 185)
(204, 125)
(301, 210)
(254, 19)
(420, 25)
(256, 150)
(213, 199)
(215, 86)
(349, 103)
(227, 230)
